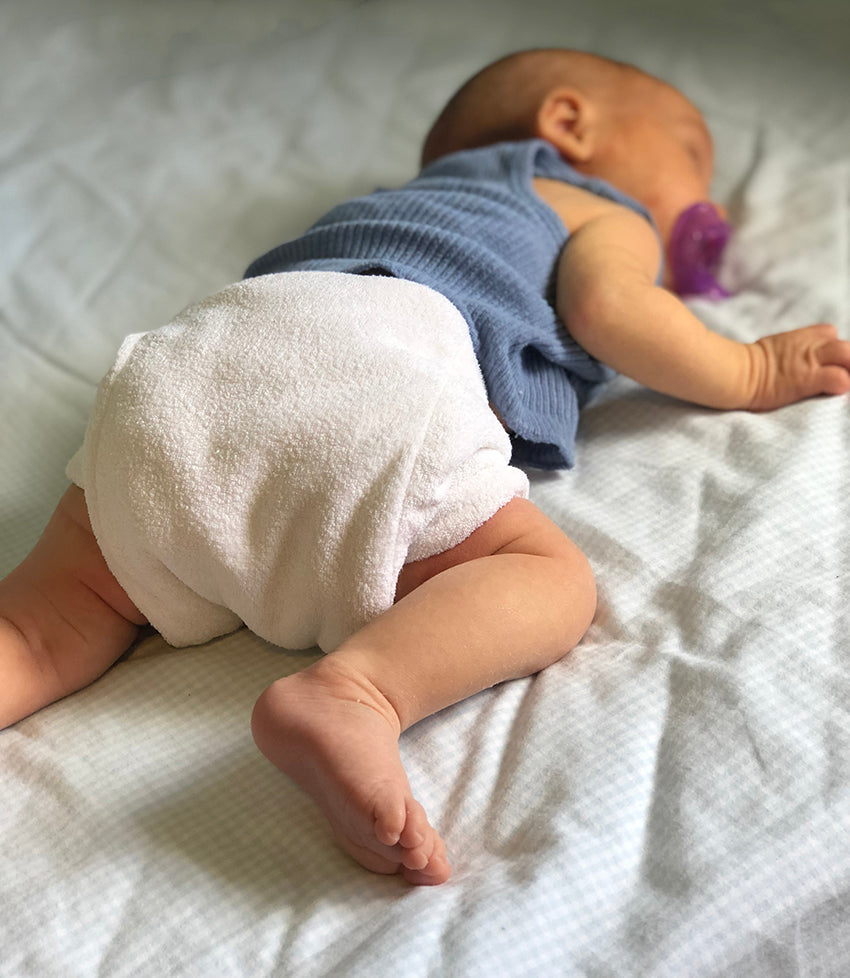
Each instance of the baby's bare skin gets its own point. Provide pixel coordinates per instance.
(337, 737)
(64, 619)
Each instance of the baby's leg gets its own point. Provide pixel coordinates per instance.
(64, 619)
(510, 600)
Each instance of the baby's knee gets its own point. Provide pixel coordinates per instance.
(538, 535)
(573, 587)
(579, 584)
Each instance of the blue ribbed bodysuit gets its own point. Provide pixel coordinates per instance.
(471, 227)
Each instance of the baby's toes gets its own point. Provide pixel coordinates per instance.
(390, 819)
(416, 828)
(434, 872)
(420, 856)
(415, 858)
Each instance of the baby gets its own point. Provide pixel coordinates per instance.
(315, 453)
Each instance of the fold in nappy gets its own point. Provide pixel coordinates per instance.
(275, 455)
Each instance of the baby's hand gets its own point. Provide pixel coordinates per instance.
(789, 367)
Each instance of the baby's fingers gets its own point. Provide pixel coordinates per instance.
(834, 380)
(834, 352)
(834, 360)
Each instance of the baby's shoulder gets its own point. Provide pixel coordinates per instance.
(575, 206)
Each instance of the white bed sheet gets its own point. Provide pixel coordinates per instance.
(673, 799)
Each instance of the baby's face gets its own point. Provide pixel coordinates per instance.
(658, 150)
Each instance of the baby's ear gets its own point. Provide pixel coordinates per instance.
(567, 118)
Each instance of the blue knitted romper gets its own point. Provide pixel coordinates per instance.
(471, 227)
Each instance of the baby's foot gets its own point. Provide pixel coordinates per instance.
(334, 734)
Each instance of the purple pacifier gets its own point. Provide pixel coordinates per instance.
(696, 245)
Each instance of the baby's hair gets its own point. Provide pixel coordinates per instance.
(500, 102)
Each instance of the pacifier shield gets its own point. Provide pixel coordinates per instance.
(699, 238)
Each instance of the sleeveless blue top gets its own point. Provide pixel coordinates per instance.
(471, 227)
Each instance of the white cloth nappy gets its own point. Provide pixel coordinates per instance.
(279, 451)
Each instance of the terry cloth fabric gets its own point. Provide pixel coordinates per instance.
(471, 227)
(276, 454)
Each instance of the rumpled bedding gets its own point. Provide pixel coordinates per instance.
(673, 798)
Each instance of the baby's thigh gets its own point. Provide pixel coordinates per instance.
(67, 555)
(518, 527)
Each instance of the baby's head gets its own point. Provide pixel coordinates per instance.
(608, 119)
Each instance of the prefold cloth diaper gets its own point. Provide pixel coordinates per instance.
(276, 454)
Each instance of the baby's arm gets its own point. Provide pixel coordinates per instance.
(608, 298)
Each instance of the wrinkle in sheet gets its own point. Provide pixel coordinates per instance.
(707, 796)
(777, 881)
